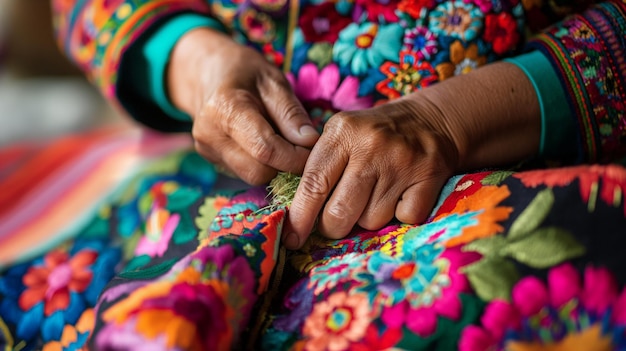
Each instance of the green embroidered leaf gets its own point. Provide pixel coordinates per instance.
(492, 278)
(182, 198)
(206, 215)
(149, 272)
(545, 248)
(136, 262)
(490, 246)
(496, 178)
(185, 231)
(321, 54)
(532, 216)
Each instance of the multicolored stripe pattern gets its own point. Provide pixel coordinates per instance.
(45, 184)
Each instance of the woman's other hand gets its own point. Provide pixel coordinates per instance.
(392, 160)
(245, 115)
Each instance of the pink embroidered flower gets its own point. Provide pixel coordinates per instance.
(318, 88)
(420, 40)
(52, 282)
(159, 229)
(437, 297)
(559, 316)
(337, 322)
(377, 10)
(501, 31)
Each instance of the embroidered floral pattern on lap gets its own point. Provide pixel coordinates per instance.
(567, 314)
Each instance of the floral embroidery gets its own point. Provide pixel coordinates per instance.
(377, 10)
(322, 23)
(422, 41)
(406, 77)
(323, 89)
(327, 275)
(564, 315)
(484, 202)
(364, 46)
(52, 282)
(456, 19)
(160, 226)
(425, 283)
(195, 309)
(416, 8)
(501, 31)
(258, 26)
(337, 322)
(611, 192)
(462, 61)
(74, 335)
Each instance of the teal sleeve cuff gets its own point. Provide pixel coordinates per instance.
(156, 49)
(558, 129)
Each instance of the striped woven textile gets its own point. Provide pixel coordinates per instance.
(50, 188)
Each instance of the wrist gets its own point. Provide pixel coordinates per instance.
(195, 59)
(492, 115)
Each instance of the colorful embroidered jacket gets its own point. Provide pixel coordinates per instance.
(577, 67)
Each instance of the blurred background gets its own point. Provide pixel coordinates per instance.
(42, 95)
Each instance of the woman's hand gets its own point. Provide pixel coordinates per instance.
(388, 160)
(245, 115)
(392, 160)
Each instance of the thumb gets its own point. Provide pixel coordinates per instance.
(287, 113)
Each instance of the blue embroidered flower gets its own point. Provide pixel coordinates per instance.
(367, 45)
(457, 19)
(395, 278)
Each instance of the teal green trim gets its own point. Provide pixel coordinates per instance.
(558, 129)
(157, 49)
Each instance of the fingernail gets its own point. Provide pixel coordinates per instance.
(292, 241)
(307, 130)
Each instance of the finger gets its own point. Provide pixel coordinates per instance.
(418, 201)
(252, 132)
(322, 172)
(381, 206)
(234, 159)
(347, 202)
(286, 111)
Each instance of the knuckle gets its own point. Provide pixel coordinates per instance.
(337, 212)
(314, 185)
(263, 151)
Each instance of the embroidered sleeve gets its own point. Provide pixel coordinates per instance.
(588, 52)
(95, 33)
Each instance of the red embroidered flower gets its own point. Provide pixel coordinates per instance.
(52, 282)
(501, 32)
(407, 76)
(378, 10)
(414, 7)
(322, 23)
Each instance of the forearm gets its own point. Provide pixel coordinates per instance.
(492, 114)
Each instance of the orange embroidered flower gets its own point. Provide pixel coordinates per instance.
(485, 202)
(613, 181)
(72, 333)
(52, 282)
(337, 322)
(462, 61)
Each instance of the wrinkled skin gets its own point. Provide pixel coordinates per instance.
(368, 166)
(246, 117)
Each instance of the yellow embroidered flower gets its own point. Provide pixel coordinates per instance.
(462, 61)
